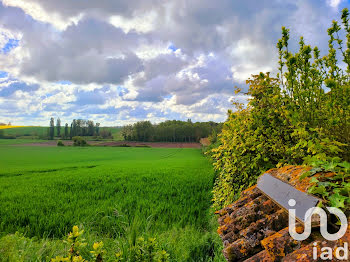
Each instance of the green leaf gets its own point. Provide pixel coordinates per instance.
(320, 190)
(311, 172)
(330, 166)
(337, 200)
(345, 165)
(314, 180)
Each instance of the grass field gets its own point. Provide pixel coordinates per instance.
(26, 131)
(19, 141)
(116, 194)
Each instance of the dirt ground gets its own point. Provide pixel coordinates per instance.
(121, 143)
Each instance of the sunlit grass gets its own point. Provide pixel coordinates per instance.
(114, 193)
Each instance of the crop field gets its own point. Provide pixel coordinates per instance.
(116, 194)
(25, 130)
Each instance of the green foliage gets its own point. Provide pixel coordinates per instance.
(105, 134)
(58, 127)
(169, 131)
(81, 127)
(60, 143)
(335, 190)
(3, 136)
(304, 113)
(17, 247)
(79, 141)
(143, 250)
(51, 132)
(117, 194)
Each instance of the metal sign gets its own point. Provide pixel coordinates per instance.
(281, 192)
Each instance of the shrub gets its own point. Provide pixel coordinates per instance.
(123, 145)
(60, 143)
(289, 119)
(105, 134)
(142, 250)
(79, 141)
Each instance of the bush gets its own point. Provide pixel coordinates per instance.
(142, 250)
(106, 134)
(123, 145)
(289, 119)
(79, 141)
(59, 143)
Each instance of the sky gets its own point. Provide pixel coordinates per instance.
(118, 62)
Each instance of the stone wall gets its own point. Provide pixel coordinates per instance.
(254, 228)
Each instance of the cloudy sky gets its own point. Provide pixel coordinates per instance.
(117, 62)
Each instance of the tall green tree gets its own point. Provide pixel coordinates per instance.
(52, 128)
(97, 129)
(58, 126)
(66, 132)
(71, 131)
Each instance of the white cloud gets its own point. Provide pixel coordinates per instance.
(144, 59)
(334, 3)
(38, 13)
(142, 23)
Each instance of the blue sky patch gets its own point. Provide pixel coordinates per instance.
(172, 47)
(168, 96)
(3, 74)
(13, 87)
(64, 82)
(122, 90)
(11, 44)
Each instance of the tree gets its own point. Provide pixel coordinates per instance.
(97, 128)
(74, 128)
(169, 131)
(66, 131)
(71, 131)
(127, 132)
(58, 126)
(91, 128)
(52, 128)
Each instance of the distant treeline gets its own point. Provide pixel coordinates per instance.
(170, 131)
(78, 127)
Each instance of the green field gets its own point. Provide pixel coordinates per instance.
(26, 131)
(116, 132)
(19, 141)
(116, 194)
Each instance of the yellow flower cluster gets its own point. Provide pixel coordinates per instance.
(6, 127)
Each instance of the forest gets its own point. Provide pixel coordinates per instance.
(78, 127)
(170, 131)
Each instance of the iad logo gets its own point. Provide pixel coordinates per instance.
(327, 252)
(323, 222)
